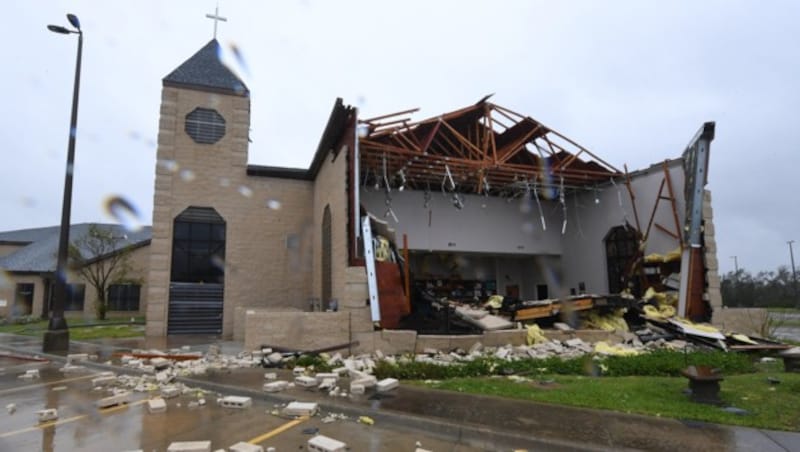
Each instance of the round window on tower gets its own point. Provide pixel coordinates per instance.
(205, 125)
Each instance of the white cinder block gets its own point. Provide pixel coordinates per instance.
(357, 388)
(157, 405)
(30, 374)
(367, 381)
(300, 409)
(327, 383)
(235, 402)
(340, 371)
(322, 443)
(116, 399)
(306, 382)
(245, 447)
(71, 358)
(169, 392)
(160, 363)
(47, 415)
(190, 446)
(387, 384)
(270, 376)
(275, 386)
(297, 371)
(324, 375)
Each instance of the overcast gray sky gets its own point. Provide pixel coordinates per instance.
(630, 80)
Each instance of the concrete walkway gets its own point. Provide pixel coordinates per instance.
(487, 422)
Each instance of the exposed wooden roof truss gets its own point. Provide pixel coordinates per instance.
(483, 148)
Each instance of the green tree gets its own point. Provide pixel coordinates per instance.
(102, 259)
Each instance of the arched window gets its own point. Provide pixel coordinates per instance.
(327, 290)
(198, 246)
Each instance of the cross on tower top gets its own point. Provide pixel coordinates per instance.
(216, 18)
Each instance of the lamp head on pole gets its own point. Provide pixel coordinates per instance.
(73, 20)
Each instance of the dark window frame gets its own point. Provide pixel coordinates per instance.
(198, 251)
(124, 297)
(75, 297)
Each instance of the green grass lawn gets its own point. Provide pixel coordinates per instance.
(769, 406)
(80, 329)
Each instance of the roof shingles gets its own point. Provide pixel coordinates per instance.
(40, 254)
(205, 71)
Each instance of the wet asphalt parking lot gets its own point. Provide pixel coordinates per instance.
(82, 426)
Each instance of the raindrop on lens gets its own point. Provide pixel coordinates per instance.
(169, 165)
(124, 212)
(245, 191)
(187, 175)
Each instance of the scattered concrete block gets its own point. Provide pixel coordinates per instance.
(157, 405)
(270, 376)
(169, 392)
(126, 359)
(300, 409)
(275, 386)
(72, 368)
(340, 371)
(367, 381)
(298, 371)
(327, 384)
(357, 388)
(321, 443)
(274, 358)
(575, 342)
(419, 449)
(160, 363)
(116, 399)
(74, 357)
(47, 415)
(164, 377)
(235, 402)
(102, 381)
(323, 375)
(561, 326)
(190, 446)
(306, 382)
(387, 384)
(30, 374)
(245, 447)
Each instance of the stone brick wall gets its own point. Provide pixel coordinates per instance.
(261, 269)
(713, 284)
(296, 330)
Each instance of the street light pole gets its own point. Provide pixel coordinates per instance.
(56, 338)
(794, 275)
(736, 278)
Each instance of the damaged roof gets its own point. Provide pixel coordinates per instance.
(484, 148)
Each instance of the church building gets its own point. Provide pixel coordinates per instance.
(482, 200)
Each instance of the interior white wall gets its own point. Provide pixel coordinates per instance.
(485, 224)
(584, 256)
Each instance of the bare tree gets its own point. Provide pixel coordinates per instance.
(101, 259)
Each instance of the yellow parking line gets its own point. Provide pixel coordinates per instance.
(70, 419)
(277, 431)
(44, 425)
(51, 383)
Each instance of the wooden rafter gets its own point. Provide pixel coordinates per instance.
(482, 142)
